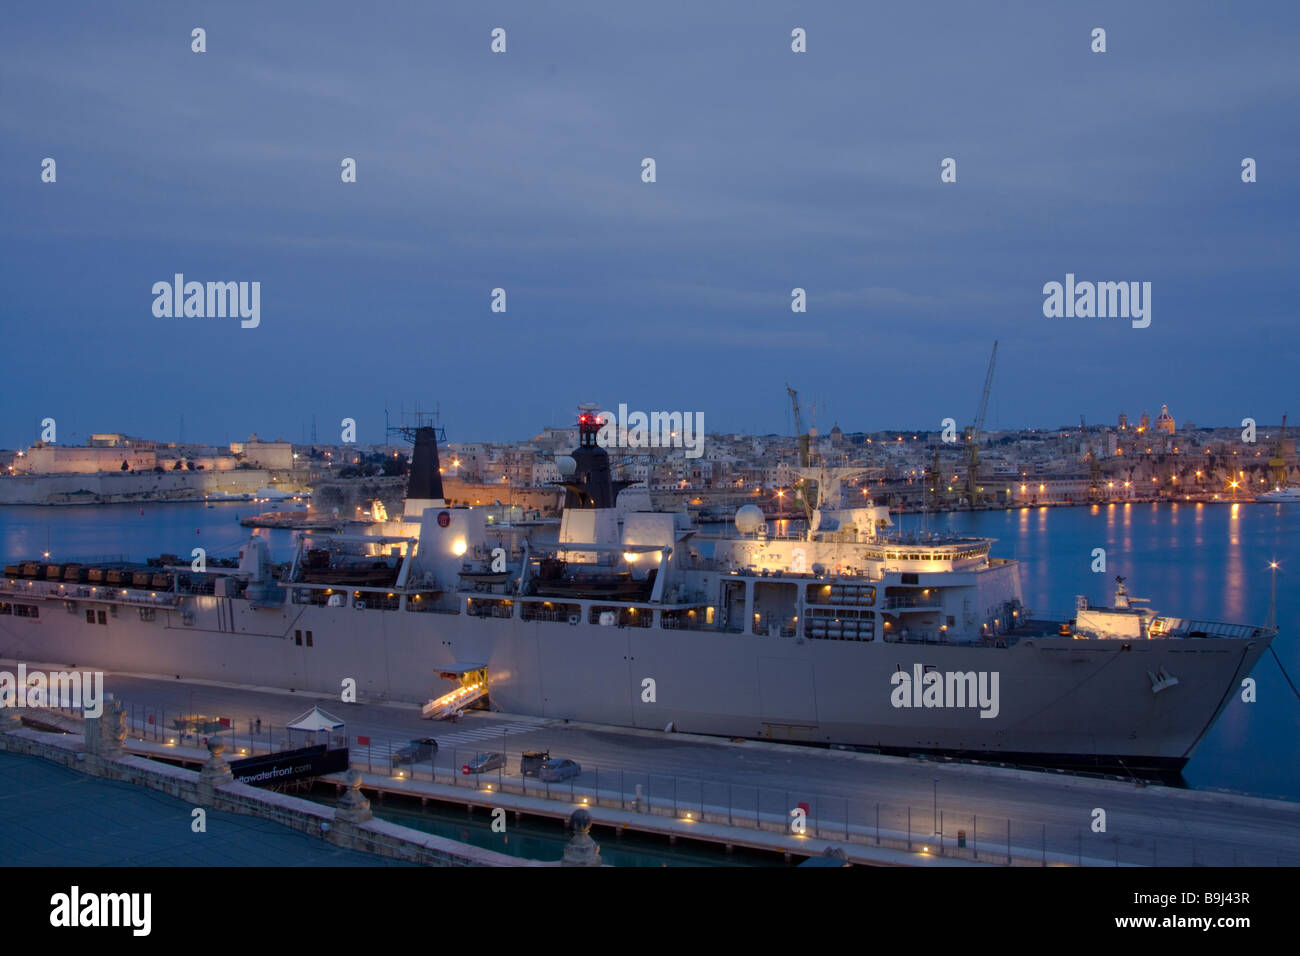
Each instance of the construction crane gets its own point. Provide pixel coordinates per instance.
(973, 433)
(1277, 464)
(805, 454)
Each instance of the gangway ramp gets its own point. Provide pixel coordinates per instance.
(453, 702)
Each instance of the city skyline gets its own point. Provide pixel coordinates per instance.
(328, 437)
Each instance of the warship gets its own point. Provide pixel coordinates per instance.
(845, 633)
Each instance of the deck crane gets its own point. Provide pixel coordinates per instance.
(973, 433)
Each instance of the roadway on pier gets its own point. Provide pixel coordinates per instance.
(1144, 824)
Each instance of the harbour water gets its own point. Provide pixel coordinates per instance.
(1194, 560)
(535, 839)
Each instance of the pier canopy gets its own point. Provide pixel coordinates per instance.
(315, 719)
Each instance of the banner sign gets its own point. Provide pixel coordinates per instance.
(290, 765)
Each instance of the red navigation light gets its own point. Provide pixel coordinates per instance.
(465, 769)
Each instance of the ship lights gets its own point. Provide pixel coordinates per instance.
(459, 547)
(630, 557)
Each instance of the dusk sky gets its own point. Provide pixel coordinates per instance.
(522, 170)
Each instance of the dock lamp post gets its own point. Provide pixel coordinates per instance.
(936, 805)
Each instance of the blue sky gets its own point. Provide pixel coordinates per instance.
(522, 171)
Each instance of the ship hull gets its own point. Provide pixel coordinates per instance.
(1060, 701)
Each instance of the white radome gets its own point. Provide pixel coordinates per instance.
(566, 465)
(750, 518)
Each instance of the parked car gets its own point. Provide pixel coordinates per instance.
(416, 751)
(559, 769)
(482, 763)
(531, 761)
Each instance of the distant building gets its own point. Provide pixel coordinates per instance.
(116, 440)
(546, 471)
(1165, 421)
(1144, 423)
(1123, 422)
(42, 459)
(274, 455)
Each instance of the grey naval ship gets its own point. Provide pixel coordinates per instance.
(845, 633)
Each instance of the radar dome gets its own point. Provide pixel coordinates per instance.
(566, 465)
(750, 519)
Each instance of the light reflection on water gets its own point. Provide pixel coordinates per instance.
(1204, 561)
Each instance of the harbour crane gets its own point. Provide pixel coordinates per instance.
(973, 433)
(805, 454)
(1277, 464)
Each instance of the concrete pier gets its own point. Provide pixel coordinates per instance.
(740, 793)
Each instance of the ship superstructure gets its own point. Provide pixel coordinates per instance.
(846, 633)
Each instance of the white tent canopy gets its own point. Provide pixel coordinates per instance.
(315, 719)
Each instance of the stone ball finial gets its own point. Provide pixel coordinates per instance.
(353, 807)
(216, 746)
(581, 850)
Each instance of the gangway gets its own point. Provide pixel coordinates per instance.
(453, 702)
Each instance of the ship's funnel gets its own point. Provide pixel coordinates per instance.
(425, 481)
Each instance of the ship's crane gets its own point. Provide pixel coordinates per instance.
(1277, 464)
(973, 432)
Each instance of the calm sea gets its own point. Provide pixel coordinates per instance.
(1203, 561)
